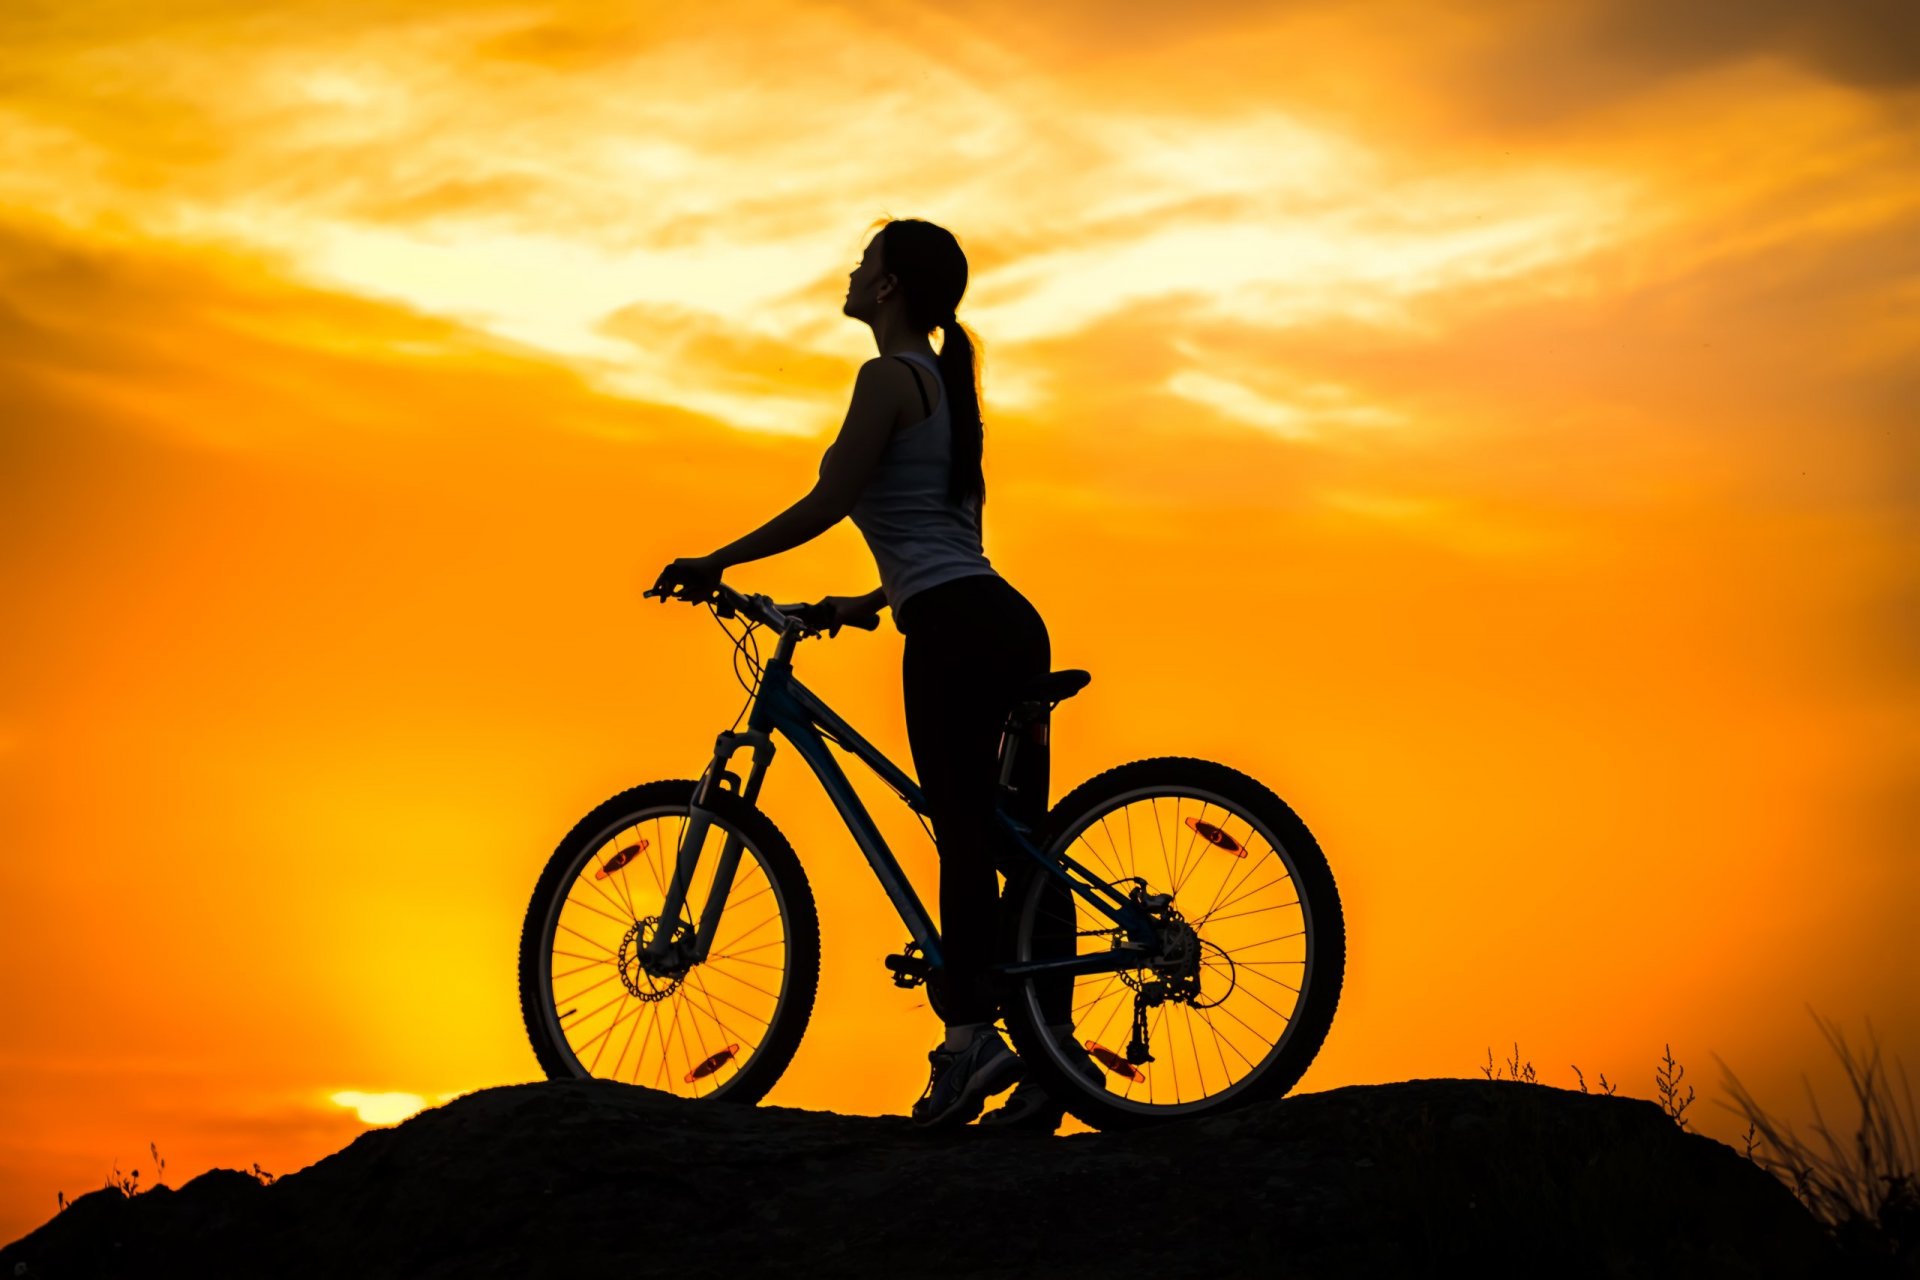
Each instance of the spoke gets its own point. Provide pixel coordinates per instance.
(1248, 993)
(590, 964)
(758, 964)
(1154, 801)
(1220, 1037)
(586, 1017)
(1081, 839)
(1235, 879)
(653, 1027)
(734, 977)
(1257, 910)
(1254, 946)
(615, 1073)
(659, 876)
(588, 906)
(1112, 843)
(624, 995)
(699, 1034)
(1226, 1072)
(1283, 877)
(596, 861)
(1173, 1056)
(757, 928)
(1104, 988)
(734, 904)
(660, 1076)
(764, 1022)
(624, 885)
(597, 887)
(1257, 1034)
(612, 951)
(673, 1033)
(1186, 854)
(582, 991)
(713, 1013)
(1193, 1045)
(575, 956)
(1270, 978)
(758, 946)
(1100, 1036)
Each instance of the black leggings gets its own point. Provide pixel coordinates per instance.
(971, 644)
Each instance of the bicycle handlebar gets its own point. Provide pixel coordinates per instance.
(727, 602)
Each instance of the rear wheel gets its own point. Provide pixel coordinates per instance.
(723, 1028)
(1237, 1000)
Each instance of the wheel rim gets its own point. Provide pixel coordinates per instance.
(694, 1034)
(1236, 884)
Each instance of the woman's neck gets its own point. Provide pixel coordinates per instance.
(893, 336)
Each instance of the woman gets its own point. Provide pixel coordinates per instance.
(907, 468)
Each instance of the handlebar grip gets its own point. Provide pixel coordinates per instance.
(866, 624)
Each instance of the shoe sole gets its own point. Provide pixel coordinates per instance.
(973, 1099)
(1041, 1120)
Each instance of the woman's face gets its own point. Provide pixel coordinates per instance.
(868, 284)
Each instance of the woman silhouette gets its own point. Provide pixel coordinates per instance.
(906, 467)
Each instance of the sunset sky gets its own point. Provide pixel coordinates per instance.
(1492, 425)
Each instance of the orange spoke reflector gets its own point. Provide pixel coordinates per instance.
(1216, 837)
(712, 1064)
(619, 860)
(1115, 1063)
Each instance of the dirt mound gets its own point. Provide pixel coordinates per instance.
(591, 1178)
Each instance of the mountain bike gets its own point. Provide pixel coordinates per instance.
(672, 940)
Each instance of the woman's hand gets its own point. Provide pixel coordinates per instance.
(852, 611)
(698, 577)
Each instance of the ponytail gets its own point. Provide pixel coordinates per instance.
(959, 372)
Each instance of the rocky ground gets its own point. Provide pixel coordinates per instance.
(598, 1179)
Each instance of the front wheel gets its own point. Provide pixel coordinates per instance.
(1232, 1005)
(725, 1027)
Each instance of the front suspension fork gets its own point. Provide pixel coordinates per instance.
(661, 948)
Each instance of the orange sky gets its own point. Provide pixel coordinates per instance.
(1492, 427)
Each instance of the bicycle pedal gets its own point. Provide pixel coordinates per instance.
(909, 968)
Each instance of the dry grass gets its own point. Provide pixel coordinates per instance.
(1864, 1188)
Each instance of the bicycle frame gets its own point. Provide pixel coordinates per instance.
(785, 706)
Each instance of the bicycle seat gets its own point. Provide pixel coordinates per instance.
(1039, 696)
(1055, 686)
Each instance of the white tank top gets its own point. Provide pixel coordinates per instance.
(919, 537)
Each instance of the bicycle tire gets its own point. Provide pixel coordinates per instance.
(757, 1060)
(1322, 929)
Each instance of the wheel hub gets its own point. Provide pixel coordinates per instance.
(651, 967)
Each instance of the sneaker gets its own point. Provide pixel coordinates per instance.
(1028, 1107)
(963, 1080)
(1031, 1108)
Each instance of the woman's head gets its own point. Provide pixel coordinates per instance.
(918, 271)
(911, 265)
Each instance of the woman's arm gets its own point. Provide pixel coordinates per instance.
(843, 474)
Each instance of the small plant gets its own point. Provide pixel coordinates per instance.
(1515, 1069)
(159, 1165)
(1865, 1191)
(1666, 1079)
(261, 1175)
(128, 1184)
(1606, 1087)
